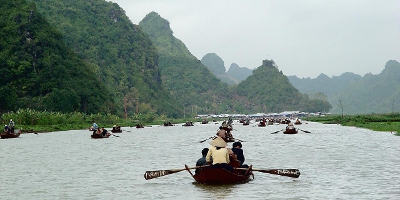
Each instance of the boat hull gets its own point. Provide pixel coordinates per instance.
(221, 176)
(290, 131)
(99, 136)
(11, 135)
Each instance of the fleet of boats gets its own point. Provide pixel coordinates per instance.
(211, 175)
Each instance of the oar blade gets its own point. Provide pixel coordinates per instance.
(276, 131)
(155, 174)
(294, 173)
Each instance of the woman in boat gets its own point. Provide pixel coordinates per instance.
(290, 126)
(219, 154)
(222, 133)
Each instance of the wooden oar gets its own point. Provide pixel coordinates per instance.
(207, 139)
(304, 131)
(155, 174)
(294, 173)
(277, 131)
(115, 135)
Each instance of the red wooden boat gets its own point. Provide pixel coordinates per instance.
(215, 176)
(290, 131)
(11, 135)
(99, 136)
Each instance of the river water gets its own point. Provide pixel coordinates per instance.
(335, 163)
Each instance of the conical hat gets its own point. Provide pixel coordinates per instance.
(218, 142)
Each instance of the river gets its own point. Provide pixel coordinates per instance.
(335, 162)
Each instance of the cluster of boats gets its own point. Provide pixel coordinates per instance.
(215, 175)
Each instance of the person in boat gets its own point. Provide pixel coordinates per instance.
(230, 121)
(224, 124)
(222, 133)
(7, 129)
(11, 125)
(95, 127)
(238, 151)
(116, 128)
(290, 126)
(219, 154)
(103, 131)
(202, 161)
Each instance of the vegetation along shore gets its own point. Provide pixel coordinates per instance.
(30, 121)
(376, 122)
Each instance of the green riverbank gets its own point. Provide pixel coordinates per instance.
(376, 122)
(31, 121)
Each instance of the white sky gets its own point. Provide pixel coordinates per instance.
(304, 37)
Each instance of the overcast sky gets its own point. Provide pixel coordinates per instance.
(304, 37)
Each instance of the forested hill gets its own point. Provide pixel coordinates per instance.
(119, 53)
(372, 93)
(189, 81)
(324, 84)
(269, 90)
(39, 71)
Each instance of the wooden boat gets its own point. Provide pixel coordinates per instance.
(290, 131)
(11, 135)
(215, 176)
(139, 126)
(116, 131)
(99, 136)
(168, 124)
(188, 124)
(245, 123)
(297, 122)
(262, 124)
(204, 121)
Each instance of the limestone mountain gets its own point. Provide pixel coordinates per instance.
(118, 52)
(217, 67)
(323, 83)
(188, 80)
(269, 90)
(372, 93)
(239, 73)
(39, 71)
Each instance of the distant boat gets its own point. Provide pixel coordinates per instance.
(16, 134)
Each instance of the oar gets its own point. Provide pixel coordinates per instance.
(304, 131)
(115, 135)
(155, 174)
(206, 139)
(294, 173)
(277, 131)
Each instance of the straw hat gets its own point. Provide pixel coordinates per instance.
(218, 142)
(115, 126)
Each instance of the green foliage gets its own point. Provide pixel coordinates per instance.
(39, 71)
(376, 122)
(271, 91)
(119, 53)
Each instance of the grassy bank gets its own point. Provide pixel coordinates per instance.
(376, 122)
(43, 121)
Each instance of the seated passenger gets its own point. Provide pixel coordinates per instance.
(202, 161)
(219, 154)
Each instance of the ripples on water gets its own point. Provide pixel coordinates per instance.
(335, 162)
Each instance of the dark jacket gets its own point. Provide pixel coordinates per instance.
(239, 154)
